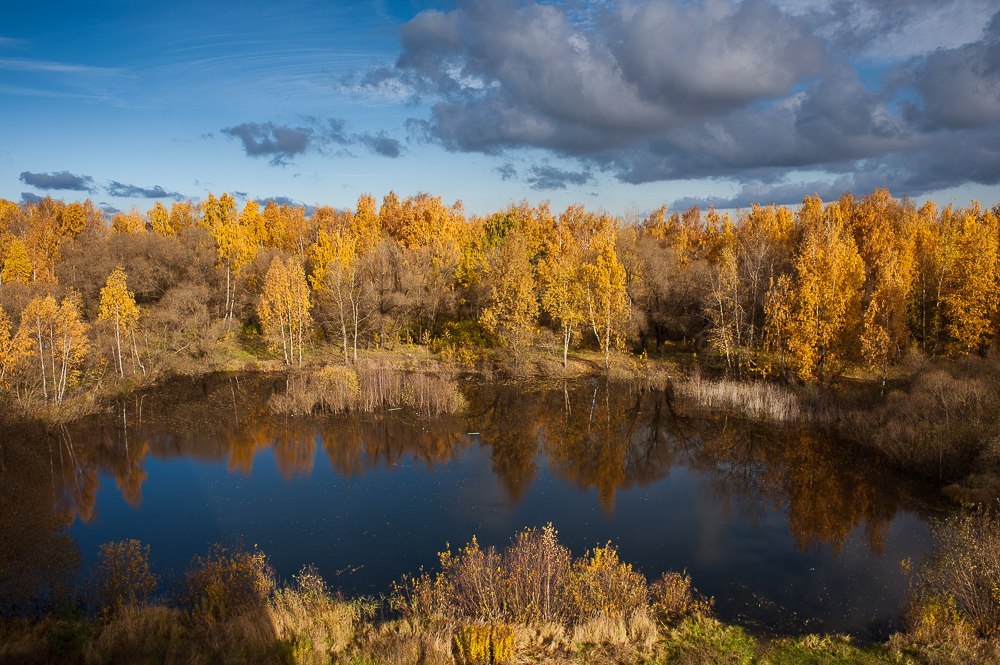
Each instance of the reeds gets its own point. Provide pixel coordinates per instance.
(754, 399)
(370, 387)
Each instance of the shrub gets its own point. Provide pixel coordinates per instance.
(475, 578)
(228, 582)
(673, 599)
(601, 584)
(536, 568)
(122, 575)
(340, 388)
(421, 598)
(960, 582)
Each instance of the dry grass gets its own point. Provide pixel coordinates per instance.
(306, 617)
(754, 399)
(372, 386)
(140, 629)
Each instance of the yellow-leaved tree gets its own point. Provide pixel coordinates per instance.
(128, 222)
(119, 309)
(883, 230)
(235, 243)
(13, 348)
(607, 298)
(283, 308)
(337, 276)
(512, 310)
(817, 314)
(58, 337)
(17, 266)
(366, 226)
(561, 279)
(972, 297)
(158, 220)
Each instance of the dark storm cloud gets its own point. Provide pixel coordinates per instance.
(266, 139)
(545, 177)
(58, 180)
(28, 197)
(961, 87)
(524, 74)
(743, 91)
(123, 190)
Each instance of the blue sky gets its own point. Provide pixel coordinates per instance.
(624, 106)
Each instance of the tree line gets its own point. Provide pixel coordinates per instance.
(803, 294)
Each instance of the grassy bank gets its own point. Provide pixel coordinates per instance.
(531, 602)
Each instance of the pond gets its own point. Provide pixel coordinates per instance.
(789, 530)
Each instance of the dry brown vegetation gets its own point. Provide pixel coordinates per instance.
(531, 602)
(754, 399)
(372, 385)
(942, 419)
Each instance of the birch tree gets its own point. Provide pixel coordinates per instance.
(118, 307)
(284, 308)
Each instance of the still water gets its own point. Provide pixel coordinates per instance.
(788, 530)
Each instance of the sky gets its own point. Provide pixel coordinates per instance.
(622, 106)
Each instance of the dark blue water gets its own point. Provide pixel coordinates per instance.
(787, 531)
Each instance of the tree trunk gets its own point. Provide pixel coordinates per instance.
(118, 345)
(567, 333)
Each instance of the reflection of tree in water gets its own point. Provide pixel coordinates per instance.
(593, 436)
(826, 487)
(609, 437)
(507, 420)
(37, 558)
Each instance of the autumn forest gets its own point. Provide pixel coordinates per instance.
(851, 285)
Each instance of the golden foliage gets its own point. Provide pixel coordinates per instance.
(119, 308)
(284, 307)
(14, 347)
(815, 316)
(17, 265)
(58, 337)
(607, 296)
(511, 312)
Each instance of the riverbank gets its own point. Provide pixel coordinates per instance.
(936, 419)
(532, 602)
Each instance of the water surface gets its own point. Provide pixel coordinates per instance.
(788, 529)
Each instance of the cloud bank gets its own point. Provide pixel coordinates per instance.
(900, 94)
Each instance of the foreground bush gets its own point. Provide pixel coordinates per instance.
(958, 587)
(122, 576)
(228, 582)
